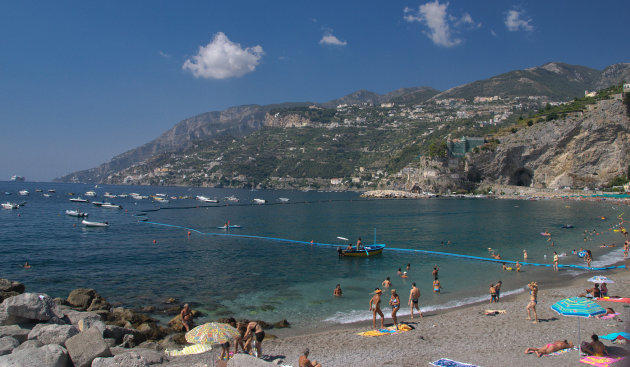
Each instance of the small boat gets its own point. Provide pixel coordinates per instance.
(111, 206)
(109, 195)
(230, 226)
(259, 201)
(566, 226)
(10, 206)
(90, 193)
(23, 192)
(17, 178)
(46, 195)
(94, 224)
(160, 199)
(79, 200)
(207, 199)
(124, 196)
(38, 190)
(100, 203)
(232, 198)
(369, 250)
(76, 213)
(52, 191)
(284, 200)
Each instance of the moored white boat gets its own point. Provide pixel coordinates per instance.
(284, 200)
(76, 213)
(206, 199)
(10, 206)
(23, 192)
(90, 193)
(259, 201)
(109, 195)
(111, 206)
(94, 224)
(232, 198)
(79, 199)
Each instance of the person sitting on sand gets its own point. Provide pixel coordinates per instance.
(386, 283)
(394, 301)
(337, 291)
(375, 307)
(305, 362)
(436, 286)
(187, 317)
(533, 300)
(550, 348)
(603, 289)
(593, 292)
(414, 297)
(609, 311)
(594, 348)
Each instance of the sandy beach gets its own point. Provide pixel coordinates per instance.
(464, 334)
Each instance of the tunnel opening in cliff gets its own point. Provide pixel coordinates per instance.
(522, 177)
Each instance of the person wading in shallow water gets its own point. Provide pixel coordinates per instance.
(414, 298)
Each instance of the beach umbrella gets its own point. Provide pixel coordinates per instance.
(580, 307)
(600, 279)
(211, 333)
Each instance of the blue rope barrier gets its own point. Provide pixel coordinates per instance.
(437, 253)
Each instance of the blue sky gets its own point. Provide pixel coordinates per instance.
(83, 81)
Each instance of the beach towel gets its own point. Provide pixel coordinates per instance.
(191, 349)
(561, 351)
(387, 331)
(494, 312)
(609, 299)
(600, 361)
(445, 362)
(614, 336)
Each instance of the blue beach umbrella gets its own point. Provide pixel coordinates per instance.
(580, 307)
(600, 279)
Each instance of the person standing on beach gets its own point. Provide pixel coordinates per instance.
(375, 307)
(533, 300)
(414, 297)
(493, 294)
(555, 261)
(254, 330)
(497, 288)
(394, 301)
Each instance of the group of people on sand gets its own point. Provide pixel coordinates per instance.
(248, 332)
(495, 292)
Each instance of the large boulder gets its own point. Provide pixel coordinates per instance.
(99, 304)
(124, 317)
(51, 355)
(136, 358)
(152, 331)
(15, 331)
(9, 289)
(81, 298)
(7, 344)
(118, 333)
(85, 320)
(86, 346)
(53, 334)
(29, 344)
(28, 307)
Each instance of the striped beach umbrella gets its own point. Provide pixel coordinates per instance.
(600, 279)
(580, 307)
(211, 333)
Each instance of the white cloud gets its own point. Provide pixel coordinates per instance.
(515, 21)
(435, 17)
(164, 54)
(329, 39)
(222, 58)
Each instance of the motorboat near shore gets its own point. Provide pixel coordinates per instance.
(79, 200)
(259, 201)
(10, 206)
(94, 224)
(206, 199)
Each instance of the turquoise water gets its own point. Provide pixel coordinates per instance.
(272, 280)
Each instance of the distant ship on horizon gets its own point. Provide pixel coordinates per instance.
(17, 178)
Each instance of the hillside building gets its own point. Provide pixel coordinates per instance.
(459, 147)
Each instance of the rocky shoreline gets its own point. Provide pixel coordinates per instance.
(84, 330)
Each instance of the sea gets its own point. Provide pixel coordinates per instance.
(269, 269)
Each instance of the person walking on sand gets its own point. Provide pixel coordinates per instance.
(337, 291)
(533, 300)
(375, 307)
(305, 362)
(414, 298)
(394, 301)
(555, 261)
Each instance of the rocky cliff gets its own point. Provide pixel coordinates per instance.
(583, 150)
